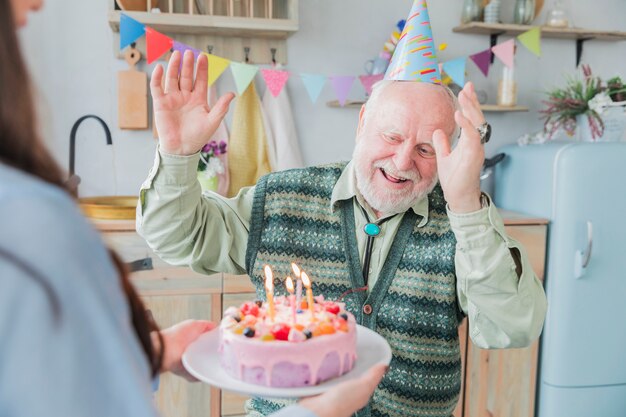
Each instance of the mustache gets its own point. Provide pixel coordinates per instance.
(390, 168)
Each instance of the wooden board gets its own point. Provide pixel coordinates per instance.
(132, 95)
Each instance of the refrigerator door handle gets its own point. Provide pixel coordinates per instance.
(581, 259)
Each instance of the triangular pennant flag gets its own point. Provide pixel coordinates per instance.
(531, 39)
(482, 61)
(275, 80)
(456, 70)
(342, 85)
(130, 30)
(313, 84)
(181, 47)
(505, 52)
(243, 74)
(156, 44)
(217, 65)
(369, 80)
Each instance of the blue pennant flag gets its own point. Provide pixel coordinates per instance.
(130, 30)
(313, 84)
(456, 70)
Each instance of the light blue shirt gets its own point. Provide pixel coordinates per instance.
(67, 344)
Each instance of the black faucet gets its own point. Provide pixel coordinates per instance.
(74, 180)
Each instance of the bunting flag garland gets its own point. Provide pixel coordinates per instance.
(531, 39)
(217, 65)
(130, 30)
(505, 52)
(275, 80)
(368, 81)
(181, 47)
(243, 74)
(313, 83)
(456, 70)
(156, 45)
(482, 61)
(342, 84)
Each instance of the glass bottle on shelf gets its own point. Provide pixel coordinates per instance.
(507, 88)
(524, 12)
(472, 11)
(558, 17)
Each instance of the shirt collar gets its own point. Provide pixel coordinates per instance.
(345, 189)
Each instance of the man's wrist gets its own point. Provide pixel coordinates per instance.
(469, 206)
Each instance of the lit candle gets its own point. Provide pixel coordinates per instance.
(269, 290)
(292, 301)
(309, 292)
(296, 272)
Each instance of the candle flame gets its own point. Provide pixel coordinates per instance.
(289, 284)
(296, 270)
(305, 279)
(269, 278)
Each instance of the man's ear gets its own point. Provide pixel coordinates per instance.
(361, 121)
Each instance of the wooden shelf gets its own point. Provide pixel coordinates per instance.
(501, 109)
(210, 25)
(484, 107)
(349, 104)
(546, 31)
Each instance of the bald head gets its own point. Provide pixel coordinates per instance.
(424, 97)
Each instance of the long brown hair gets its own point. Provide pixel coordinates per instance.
(22, 148)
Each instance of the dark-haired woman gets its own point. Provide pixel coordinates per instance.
(74, 336)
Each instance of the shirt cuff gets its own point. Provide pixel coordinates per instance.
(176, 169)
(475, 229)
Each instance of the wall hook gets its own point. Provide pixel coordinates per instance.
(209, 48)
(273, 51)
(246, 51)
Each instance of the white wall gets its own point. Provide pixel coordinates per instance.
(69, 48)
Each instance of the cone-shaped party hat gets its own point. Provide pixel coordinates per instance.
(415, 57)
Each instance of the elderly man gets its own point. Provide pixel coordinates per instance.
(402, 231)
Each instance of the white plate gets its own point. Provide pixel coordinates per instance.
(202, 361)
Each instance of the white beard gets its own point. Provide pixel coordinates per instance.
(388, 201)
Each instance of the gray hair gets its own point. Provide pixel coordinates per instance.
(381, 85)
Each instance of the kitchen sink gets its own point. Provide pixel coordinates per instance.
(109, 208)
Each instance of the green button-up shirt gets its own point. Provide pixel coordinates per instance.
(505, 306)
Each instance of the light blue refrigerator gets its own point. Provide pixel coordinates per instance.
(581, 189)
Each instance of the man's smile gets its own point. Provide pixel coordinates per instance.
(391, 178)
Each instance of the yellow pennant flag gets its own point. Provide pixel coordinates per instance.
(217, 66)
(531, 39)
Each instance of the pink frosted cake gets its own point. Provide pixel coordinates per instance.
(279, 353)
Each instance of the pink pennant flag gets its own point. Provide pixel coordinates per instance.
(482, 61)
(342, 86)
(369, 80)
(505, 52)
(275, 80)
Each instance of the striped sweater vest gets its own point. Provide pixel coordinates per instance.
(413, 303)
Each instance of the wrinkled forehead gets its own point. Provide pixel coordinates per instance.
(408, 105)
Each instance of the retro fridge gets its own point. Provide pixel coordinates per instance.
(581, 188)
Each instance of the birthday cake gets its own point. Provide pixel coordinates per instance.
(282, 344)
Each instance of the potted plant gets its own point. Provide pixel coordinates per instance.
(588, 106)
(210, 165)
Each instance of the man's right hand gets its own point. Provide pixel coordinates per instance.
(183, 118)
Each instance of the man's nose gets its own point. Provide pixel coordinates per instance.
(403, 158)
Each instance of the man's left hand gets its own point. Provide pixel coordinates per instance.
(459, 169)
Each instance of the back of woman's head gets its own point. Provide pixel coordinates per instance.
(22, 148)
(20, 145)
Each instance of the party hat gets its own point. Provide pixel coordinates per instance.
(415, 58)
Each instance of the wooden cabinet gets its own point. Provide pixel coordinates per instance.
(502, 382)
(225, 27)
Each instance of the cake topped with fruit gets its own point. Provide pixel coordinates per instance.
(287, 343)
